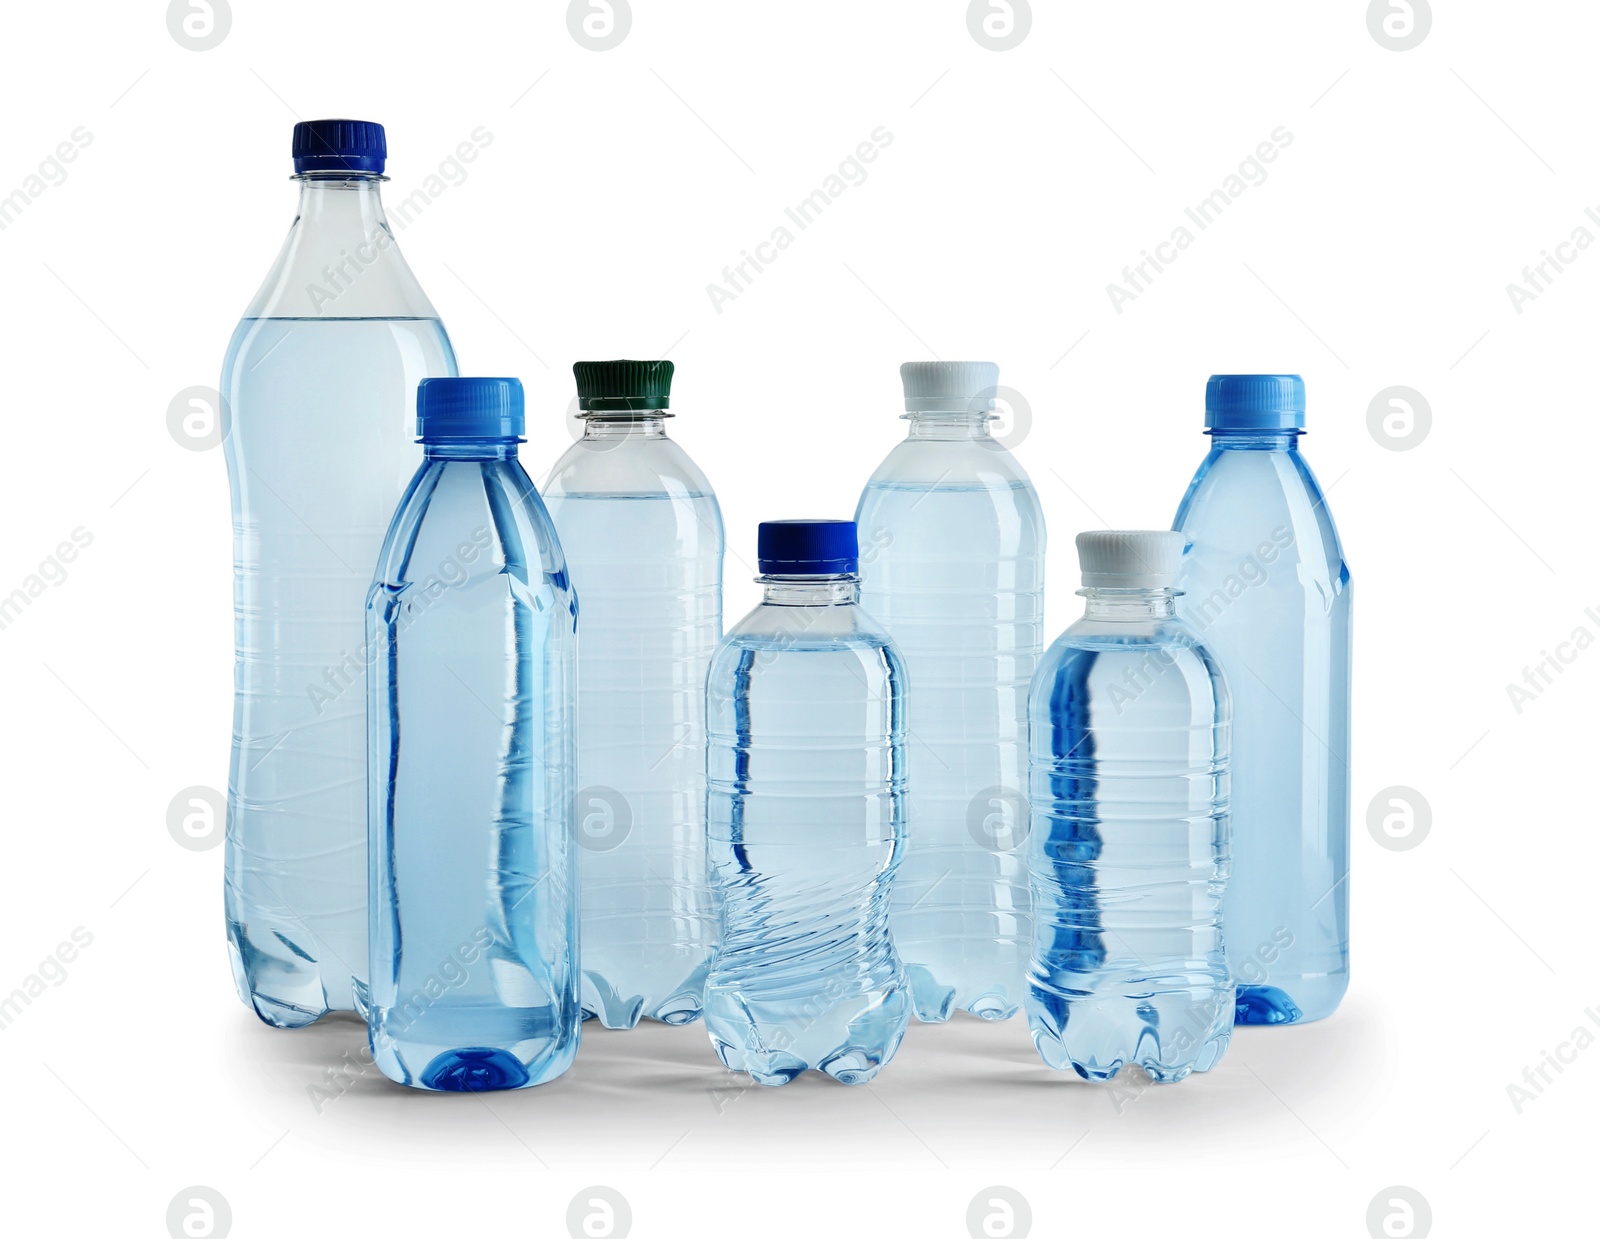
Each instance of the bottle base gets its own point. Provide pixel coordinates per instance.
(1300, 1001)
(536, 1052)
(850, 1042)
(603, 1002)
(1168, 1035)
(933, 1001)
(285, 995)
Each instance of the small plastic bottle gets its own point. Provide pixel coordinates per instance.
(806, 819)
(471, 624)
(1128, 854)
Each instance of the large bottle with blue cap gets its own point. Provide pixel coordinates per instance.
(805, 706)
(953, 543)
(471, 622)
(643, 534)
(1265, 584)
(318, 401)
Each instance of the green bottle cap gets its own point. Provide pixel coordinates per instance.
(622, 386)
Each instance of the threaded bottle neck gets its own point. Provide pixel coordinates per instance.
(1256, 440)
(843, 589)
(610, 427)
(939, 424)
(1129, 605)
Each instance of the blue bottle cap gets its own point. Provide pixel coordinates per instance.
(807, 548)
(339, 146)
(1255, 402)
(449, 409)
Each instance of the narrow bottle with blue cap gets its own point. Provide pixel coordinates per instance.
(1267, 588)
(471, 634)
(805, 707)
(318, 397)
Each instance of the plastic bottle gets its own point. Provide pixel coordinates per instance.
(318, 394)
(953, 568)
(472, 626)
(1128, 726)
(643, 536)
(806, 819)
(1265, 584)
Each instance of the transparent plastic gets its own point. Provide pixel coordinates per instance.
(319, 409)
(806, 822)
(952, 566)
(472, 625)
(643, 535)
(1129, 729)
(1267, 588)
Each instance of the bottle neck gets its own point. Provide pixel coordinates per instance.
(841, 590)
(471, 449)
(1255, 440)
(609, 427)
(340, 259)
(1129, 605)
(343, 202)
(938, 424)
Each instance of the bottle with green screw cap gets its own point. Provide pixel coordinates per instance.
(643, 537)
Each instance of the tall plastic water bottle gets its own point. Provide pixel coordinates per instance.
(1265, 583)
(643, 534)
(472, 626)
(319, 391)
(806, 819)
(1128, 723)
(953, 568)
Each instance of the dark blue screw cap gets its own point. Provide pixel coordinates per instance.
(807, 548)
(450, 409)
(339, 146)
(1255, 402)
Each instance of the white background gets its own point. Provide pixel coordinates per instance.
(1017, 185)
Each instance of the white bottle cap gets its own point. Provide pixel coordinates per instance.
(949, 386)
(1130, 558)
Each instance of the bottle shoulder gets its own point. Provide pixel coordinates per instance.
(806, 628)
(464, 518)
(1259, 506)
(628, 468)
(1132, 653)
(340, 273)
(973, 464)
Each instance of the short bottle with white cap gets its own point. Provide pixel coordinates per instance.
(472, 638)
(1129, 721)
(805, 764)
(1266, 584)
(952, 566)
